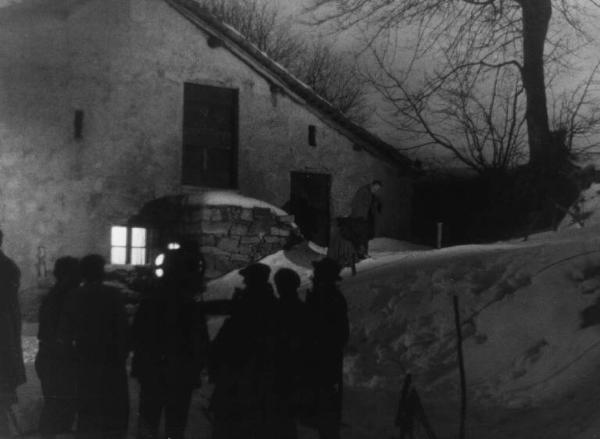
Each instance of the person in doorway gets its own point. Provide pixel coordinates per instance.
(170, 343)
(12, 366)
(365, 206)
(54, 361)
(328, 335)
(94, 324)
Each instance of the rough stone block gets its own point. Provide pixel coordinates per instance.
(216, 215)
(258, 228)
(272, 239)
(213, 251)
(250, 240)
(208, 240)
(245, 259)
(229, 244)
(216, 228)
(199, 215)
(247, 215)
(287, 219)
(235, 213)
(261, 212)
(246, 249)
(278, 231)
(238, 229)
(223, 264)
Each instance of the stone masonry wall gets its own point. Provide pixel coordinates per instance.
(232, 237)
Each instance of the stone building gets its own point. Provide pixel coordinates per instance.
(106, 105)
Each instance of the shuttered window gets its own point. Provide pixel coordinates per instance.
(210, 136)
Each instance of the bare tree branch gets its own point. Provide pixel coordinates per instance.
(475, 36)
(327, 72)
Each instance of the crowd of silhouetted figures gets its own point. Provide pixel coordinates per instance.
(276, 361)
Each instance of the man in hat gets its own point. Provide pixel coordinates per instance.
(54, 361)
(94, 323)
(12, 368)
(244, 357)
(170, 340)
(328, 315)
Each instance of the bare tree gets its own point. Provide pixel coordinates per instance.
(332, 76)
(460, 35)
(576, 115)
(316, 63)
(478, 116)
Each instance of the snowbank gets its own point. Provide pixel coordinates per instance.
(531, 365)
(521, 310)
(223, 287)
(585, 211)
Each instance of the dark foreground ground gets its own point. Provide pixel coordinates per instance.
(30, 400)
(368, 414)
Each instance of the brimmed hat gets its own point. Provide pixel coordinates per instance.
(257, 271)
(327, 269)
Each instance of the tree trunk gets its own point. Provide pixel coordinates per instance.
(536, 18)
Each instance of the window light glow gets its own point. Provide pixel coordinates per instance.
(118, 255)
(138, 237)
(128, 245)
(118, 236)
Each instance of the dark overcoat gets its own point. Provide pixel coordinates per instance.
(328, 333)
(169, 336)
(243, 400)
(362, 202)
(12, 367)
(95, 323)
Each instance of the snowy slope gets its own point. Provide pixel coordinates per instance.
(525, 350)
(531, 368)
(585, 211)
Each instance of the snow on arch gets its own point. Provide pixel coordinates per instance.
(231, 198)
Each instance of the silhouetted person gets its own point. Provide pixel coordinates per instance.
(291, 348)
(12, 367)
(170, 340)
(364, 206)
(329, 330)
(95, 323)
(54, 361)
(243, 401)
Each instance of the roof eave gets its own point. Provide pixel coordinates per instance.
(277, 76)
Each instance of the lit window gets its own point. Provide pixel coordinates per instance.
(118, 245)
(128, 245)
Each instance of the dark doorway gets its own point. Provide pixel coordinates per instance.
(309, 203)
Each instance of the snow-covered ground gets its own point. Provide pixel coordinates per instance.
(532, 366)
(532, 370)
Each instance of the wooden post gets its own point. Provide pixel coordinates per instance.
(461, 366)
(440, 227)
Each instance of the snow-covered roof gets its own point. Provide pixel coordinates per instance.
(281, 78)
(231, 198)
